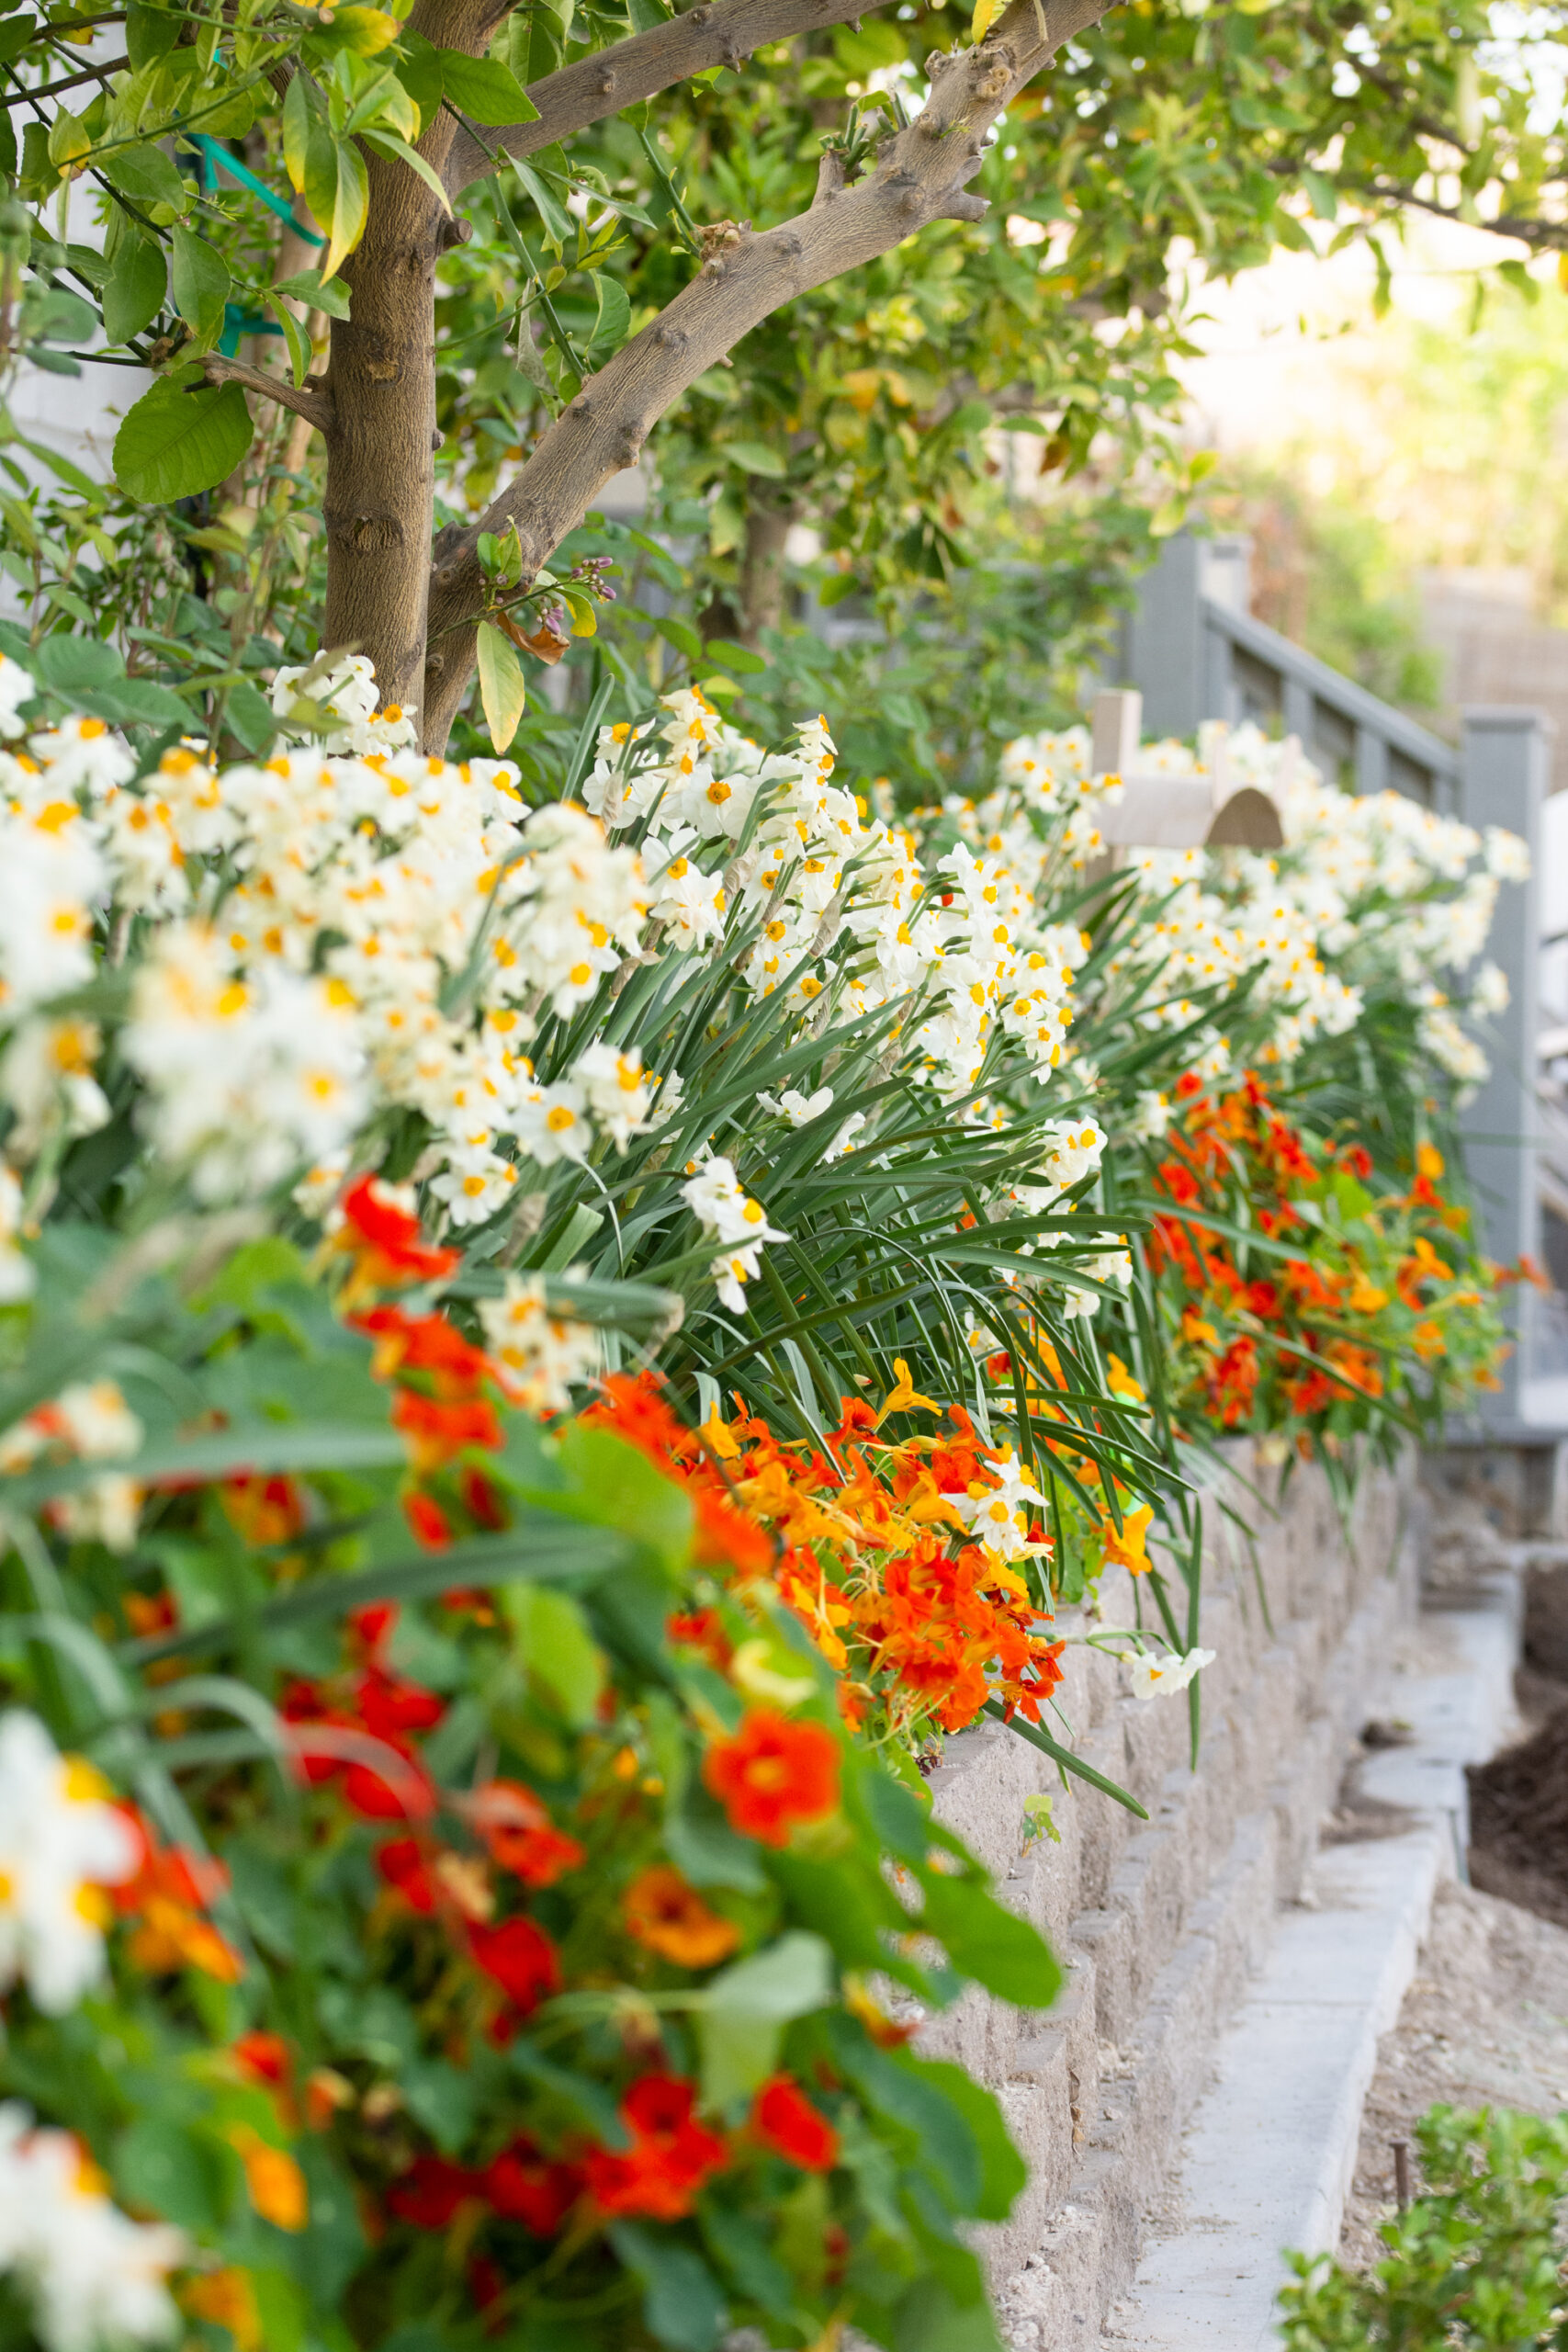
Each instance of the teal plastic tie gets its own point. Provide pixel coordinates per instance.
(216, 154)
(237, 321)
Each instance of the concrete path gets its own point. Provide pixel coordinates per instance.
(1268, 2160)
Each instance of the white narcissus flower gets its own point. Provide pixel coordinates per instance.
(798, 1108)
(17, 1274)
(541, 1356)
(1000, 1517)
(15, 688)
(94, 2276)
(616, 1086)
(1162, 1677)
(1489, 991)
(61, 1843)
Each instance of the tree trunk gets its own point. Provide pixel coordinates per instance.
(762, 573)
(381, 439)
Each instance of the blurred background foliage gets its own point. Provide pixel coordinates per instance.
(922, 492)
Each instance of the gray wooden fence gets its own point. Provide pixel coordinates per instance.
(1195, 652)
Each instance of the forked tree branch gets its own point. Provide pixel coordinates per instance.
(313, 403)
(716, 32)
(922, 174)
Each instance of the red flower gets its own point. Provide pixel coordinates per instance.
(773, 1774)
(431, 2190)
(523, 2186)
(264, 2058)
(669, 2158)
(383, 1235)
(390, 1707)
(520, 1834)
(401, 1863)
(786, 2119)
(521, 1959)
(437, 1431)
(427, 1343)
(429, 1523)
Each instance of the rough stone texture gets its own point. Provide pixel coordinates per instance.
(1161, 1923)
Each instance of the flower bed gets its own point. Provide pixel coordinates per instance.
(561, 1336)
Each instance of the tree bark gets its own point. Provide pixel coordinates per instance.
(921, 176)
(380, 436)
(763, 568)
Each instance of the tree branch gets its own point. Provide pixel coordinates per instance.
(716, 32)
(1544, 236)
(313, 403)
(921, 176)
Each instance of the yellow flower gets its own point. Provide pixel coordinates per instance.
(1130, 1549)
(1430, 1341)
(904, 1395)
(1365, 1297)
(1121, 1383)
(1429, 1162)
(717, 1436)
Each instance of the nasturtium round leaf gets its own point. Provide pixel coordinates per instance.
(176, 442)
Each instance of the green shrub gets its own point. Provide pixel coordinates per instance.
(1476, 2261)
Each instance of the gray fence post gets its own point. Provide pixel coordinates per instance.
(1503, 783)
(1168, 652)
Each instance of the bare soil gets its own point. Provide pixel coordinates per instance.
(1485, 2020)
(1485, 2024)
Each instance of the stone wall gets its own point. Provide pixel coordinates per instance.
(1160, 1922)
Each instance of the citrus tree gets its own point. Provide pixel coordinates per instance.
(476, 256)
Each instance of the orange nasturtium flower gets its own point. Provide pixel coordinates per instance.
(671, 1917)
(1130, 1549)
(226, 2298)
(273, 2181)
(773, 1774)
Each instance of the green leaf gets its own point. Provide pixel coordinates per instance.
(135, 289)
(484, 89)
(306, 287)
(443, 2097)
(558, 1648)
(199, 277)
(738, 658)
(754, 458)
(147, 177)
(647, 14)
(931, 2318)
(681, 2300)
(388, 143)
(684, 638)
(559, 226)
(294, 335)
(1064, 1756)
(1003, 2172)
(70, 663)
(1322, 194)
(614, 316)
(177, 2175)
(137, 701)
(502, 690)
(419, 71)
(743, 2013)
(985, 1940)
(298, 117)
(176, 442)
(351, 203)
(617, 1486)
